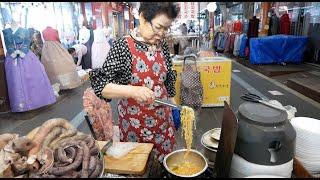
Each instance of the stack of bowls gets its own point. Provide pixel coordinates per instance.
(241, 168)
(264, 176)
(308, 142)
(210, 140)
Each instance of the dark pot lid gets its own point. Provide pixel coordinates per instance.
(261, 114)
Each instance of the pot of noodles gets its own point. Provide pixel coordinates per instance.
(185, 163)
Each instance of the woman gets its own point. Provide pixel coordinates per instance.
(137, 70)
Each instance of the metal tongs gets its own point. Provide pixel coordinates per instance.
(255, 98)
(107, 146)
(168, 104)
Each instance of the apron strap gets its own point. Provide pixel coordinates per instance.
(131, 45)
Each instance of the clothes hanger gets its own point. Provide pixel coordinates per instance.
(14, 26)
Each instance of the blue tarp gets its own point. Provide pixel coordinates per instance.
(277, 48)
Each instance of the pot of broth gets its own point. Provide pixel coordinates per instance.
(184, 163)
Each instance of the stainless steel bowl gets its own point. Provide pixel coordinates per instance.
(194, 157)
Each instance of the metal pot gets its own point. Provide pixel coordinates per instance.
(209, 152)
(194, 157)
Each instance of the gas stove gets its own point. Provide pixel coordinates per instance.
(208, 173)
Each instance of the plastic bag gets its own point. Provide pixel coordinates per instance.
(118, 150)
(116, 134)
(291, 111)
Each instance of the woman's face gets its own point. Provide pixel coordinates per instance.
(155, 31)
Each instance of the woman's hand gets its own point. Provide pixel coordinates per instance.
(142, 94)
(173, 101)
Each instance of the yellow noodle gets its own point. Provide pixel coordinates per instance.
(187, 121)
(185, 168)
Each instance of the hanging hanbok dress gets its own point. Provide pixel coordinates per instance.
(28, 84)
(100, 48)
(36, 42)
(58, 62)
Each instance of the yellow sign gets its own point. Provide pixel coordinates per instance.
(215, 78)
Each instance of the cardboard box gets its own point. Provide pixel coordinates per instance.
(215, 78)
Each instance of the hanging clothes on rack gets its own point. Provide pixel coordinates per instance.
(293, 22)
(236, 45)
(229, 27)
(100, 49)
(36, 42)
(300, 22)
(274, 25)
(86, 38)
(245, 26)
(227, 44)
(315, 38)
(285, 24)
(222, 41)
(220, 38)
(231, 45)
(253, 30)
(312, 50)
(216, 39)
(297, 22)
(243, 45)
(237, 26)
(306, 24)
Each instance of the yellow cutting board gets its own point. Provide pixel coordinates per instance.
(133, 163)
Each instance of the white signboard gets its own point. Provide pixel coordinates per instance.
(188, 10)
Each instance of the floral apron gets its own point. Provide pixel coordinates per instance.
(147, 123)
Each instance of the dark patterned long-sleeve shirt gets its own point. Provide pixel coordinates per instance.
(117, 68)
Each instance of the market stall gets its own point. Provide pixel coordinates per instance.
(215, 75)
(57, 149)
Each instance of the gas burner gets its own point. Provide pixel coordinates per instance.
(208, 173)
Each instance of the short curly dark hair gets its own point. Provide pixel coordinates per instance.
(151, 9)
